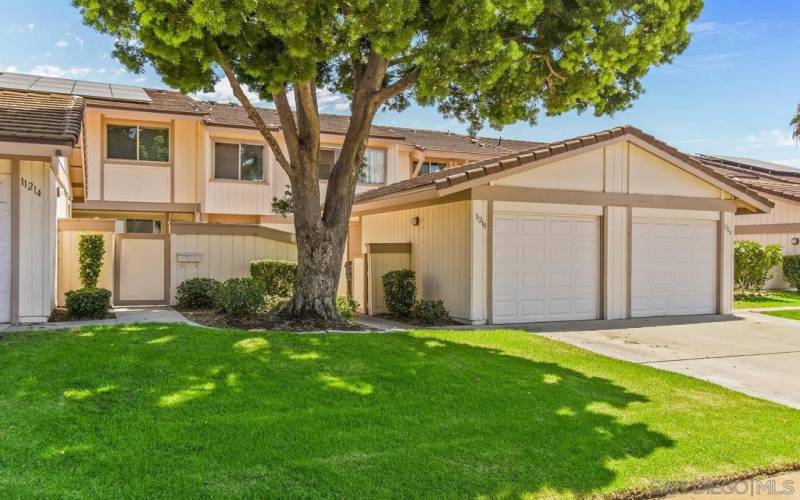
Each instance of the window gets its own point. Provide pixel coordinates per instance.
(241, 162)
(429, 167)
(135, 143)
(327, 158)
(143, 226)
(373, 169)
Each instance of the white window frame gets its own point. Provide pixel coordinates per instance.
(264, 161)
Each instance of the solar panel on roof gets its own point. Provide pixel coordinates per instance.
(16, 81)
(129, 93)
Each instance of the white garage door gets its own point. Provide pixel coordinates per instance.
(545, 268)
(5, 248)
(674, 267)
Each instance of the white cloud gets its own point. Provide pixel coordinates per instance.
(31, 26)
(742, 29)
(79, 41)
(52, 71)
(698, 27)
(769, 138)
(61, 44)
(224, 93)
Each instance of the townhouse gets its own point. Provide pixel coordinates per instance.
(611, 225)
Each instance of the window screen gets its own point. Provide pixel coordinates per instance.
(327, 158)
(226, 161)
(153, 144)
(121, 142)
(143, 226)
(252, 163)
(373, 170)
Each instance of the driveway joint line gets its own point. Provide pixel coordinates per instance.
(718, 357)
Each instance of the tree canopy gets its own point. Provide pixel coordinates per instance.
(482, 61)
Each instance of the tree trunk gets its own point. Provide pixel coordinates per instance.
(319, 260)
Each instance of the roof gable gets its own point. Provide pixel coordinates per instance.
(452, 180)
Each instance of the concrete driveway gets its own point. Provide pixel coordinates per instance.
(747, 352)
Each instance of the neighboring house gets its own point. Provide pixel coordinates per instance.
(778, 183)
(612, 225)
(38, 134)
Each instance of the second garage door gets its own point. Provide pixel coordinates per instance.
(673, 267)
(545, 268)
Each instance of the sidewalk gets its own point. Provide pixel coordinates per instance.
(125, 315)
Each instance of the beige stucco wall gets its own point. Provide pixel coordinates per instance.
(440, 250)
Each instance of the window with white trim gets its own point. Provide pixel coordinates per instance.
(241, 162)
(137, 143)
(373, 168)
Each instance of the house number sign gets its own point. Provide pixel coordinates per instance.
(30, 186)
(480, 220)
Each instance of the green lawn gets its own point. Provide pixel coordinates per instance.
(770, 298)
(167, 411)
(790, 314)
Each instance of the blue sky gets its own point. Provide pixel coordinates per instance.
(732, 92)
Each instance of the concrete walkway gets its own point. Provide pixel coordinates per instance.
(748, 352)
(125, 315)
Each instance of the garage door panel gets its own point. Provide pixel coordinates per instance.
(673, 267)
(557, 276)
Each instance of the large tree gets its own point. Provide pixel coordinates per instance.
(485, 62)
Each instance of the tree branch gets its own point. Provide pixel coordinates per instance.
(288, 125)
(398, 86)
(252, 112)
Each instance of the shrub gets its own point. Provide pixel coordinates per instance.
(754, 264)
(429, 312)
(197, 292)
(400, 291)
(239, 297)
(278, 276)
(88, 303)
(91, 248)
(346, 307)
(791, 270)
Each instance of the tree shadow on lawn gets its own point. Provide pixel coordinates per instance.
(184, 412)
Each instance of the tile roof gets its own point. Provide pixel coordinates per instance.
(455, 176)
(162, 101)
(233, 115)
(437, 140)
(40, 117)
(768, 178)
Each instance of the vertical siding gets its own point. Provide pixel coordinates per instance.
(380, 264)
(223, 256)
(69, 268)
(479, 242)
(784, 213)
(185, 161)
(91, 127)
(440, 250)
(616, 262)
(616, 168)
(37, 235)
(726, 262)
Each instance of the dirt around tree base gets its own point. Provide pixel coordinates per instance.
(266, 321)
(60, 315)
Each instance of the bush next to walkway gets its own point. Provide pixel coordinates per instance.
(791, 270)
